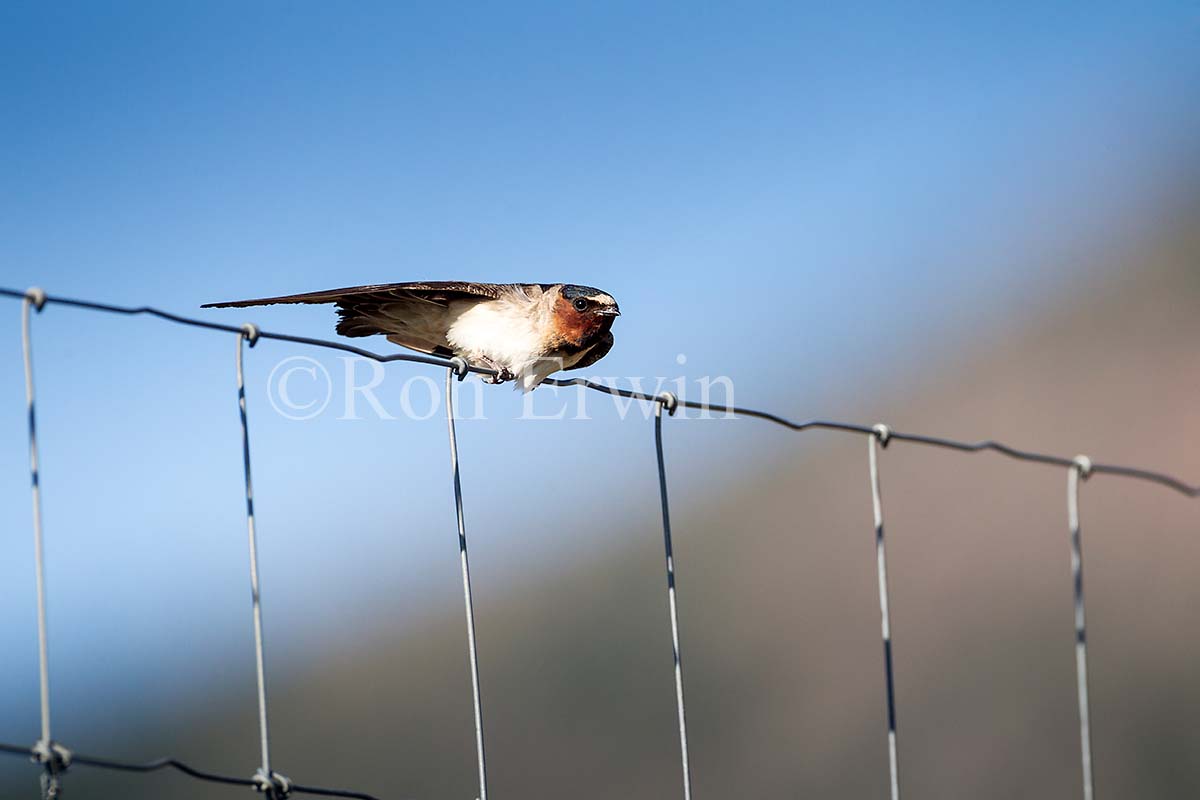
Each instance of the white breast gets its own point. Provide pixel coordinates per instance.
(507, 331)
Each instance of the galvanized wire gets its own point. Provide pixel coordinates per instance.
(669, 402)
(468, 601)
(272, 784)
(880, 437)
(45, 747)
(1080, 470)
(38, 546)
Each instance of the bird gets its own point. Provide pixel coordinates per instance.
(521, 332)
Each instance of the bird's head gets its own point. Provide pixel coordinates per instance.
(582, 314)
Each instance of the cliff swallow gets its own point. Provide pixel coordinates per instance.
(523, 331)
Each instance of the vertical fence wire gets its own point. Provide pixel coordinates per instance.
(52, 756)
(269, 782)
(880, 436)
(39, 549)
(1080, 470)
(669, 401)
(468, 602)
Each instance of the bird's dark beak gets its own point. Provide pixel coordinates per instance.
(609, 311)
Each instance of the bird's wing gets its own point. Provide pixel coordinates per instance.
(431, 291)
(598, 351)
(412, 315)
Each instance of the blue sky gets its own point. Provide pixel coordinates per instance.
(807, 200)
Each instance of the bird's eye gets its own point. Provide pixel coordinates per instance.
(580, 304)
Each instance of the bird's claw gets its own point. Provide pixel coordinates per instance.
(502, 373)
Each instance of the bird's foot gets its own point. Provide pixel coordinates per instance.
(502, 376)
(502, 373)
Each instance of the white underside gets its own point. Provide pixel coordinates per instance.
(507, 333)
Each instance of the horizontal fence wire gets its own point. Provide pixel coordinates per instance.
(175, 764)
(55, 758)
(1191, 490)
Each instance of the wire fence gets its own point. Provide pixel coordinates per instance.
(55, 759)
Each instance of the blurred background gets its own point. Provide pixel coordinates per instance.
(973, 223)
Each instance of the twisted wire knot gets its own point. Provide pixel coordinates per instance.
(460, 367)
(52, 755)
(250, 331)
(274, 786)
(669, 402)
(883, 433)
(37, 296)
(1084, 465)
